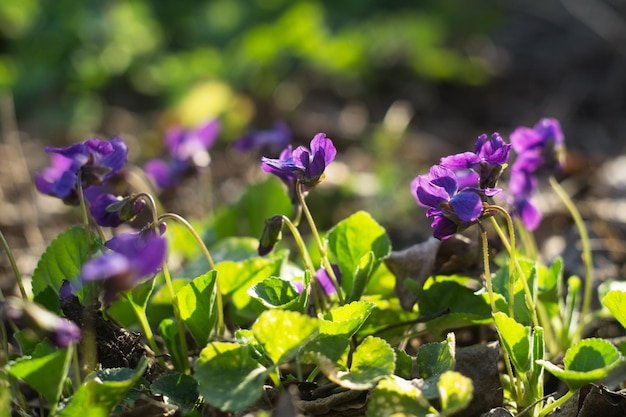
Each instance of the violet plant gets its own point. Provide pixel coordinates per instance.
(237, 326)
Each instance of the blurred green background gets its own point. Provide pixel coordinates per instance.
(396, 84)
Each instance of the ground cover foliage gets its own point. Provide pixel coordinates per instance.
(336, 323)
(186, 267)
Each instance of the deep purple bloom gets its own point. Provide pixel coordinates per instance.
(26, 314)
(545, 142)
(323, 279)
(304, 165)
(96, 160)
(269, 141)
(111, 211)
(133, 256)
(489, 157)
(188, 153)
(540, 149)
(449, 207)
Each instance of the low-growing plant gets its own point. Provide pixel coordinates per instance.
(239, 325)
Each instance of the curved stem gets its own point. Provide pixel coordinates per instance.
(320, 246)
(16, 271)
(520, 271)
(485, 247)
(548, 409)
(218, 296)
(170, 286)
(512, 257)
(586, 251)
(306, 258)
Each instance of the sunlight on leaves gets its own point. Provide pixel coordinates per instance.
(62, 260)
(347, 319)
(196, 303)
(455, 392)
(283, 332)
(395, 395)
(228, 378)
(517, 341)
(372, 360)
(353, 238)
(615, 301)
(587, 361)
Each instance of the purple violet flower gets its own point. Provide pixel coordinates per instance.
(26, 314)
(323, 279)
(269, 141)
(133, 256)
(189, 153)
(304, 165)
(96, 160)
(541, 148)
(488, 159)
(450, 208)
(111, 211)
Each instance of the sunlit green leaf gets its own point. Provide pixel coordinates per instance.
(283, 332)
(61, 261)
(432, 360)
(45, 371)
(103, 390)
(587, 361)
(396, 396)
(372, 360)
(353, 238)
(455, 392)
(517, 340)
(196, 304)
(228, 378)
(275, 292)
(347, 319)
(362, 274)
(615, 301)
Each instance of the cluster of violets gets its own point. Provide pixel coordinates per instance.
(86, 169)
(457, 192)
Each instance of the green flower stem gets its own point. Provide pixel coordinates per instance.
(492, 302)
(221, 328)
(512, 257)
(306, 258)
(16, 271)
(83, 209)
(550, 407)
(145, 326)
(485, 247)
(76, 368)
(586, 249)
(518, 267)
(320, 246)
(170, 286)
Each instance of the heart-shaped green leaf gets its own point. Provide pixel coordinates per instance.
(228, 378)
(615, 301)
(103, 390)
(517, 340)
(282, 333)
(372, 360)
(196, 304)
(587, 361)
(396, 396)
(347, 319)
(45, 371)
(275, 292)
(353, 238)
(61, 261)
(455, 392)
